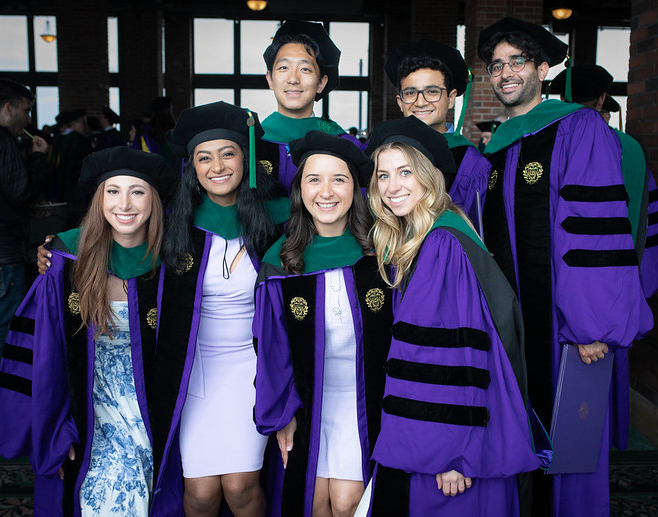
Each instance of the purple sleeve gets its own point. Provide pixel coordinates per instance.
(277, 400)
(598, 297)
(442, 326)
(472, 178)
(649, 268)
(38, 421)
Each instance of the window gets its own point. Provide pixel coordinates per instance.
(113, 44)
(28, 59)
(213, 46)
(13, 42)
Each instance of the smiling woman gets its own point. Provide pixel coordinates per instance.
(93, 416)
(322, 273)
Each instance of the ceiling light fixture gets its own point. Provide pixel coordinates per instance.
(257, 5)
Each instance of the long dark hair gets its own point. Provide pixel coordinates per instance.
(300, 229)
(258, 229)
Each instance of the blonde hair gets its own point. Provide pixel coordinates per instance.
(94, 247)
(398, 240)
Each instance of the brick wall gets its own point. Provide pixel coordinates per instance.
(83, 77)
(642, 113)
(478, 15)
(642, 124)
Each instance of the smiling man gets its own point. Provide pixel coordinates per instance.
(556, 221)
(428, 77)
(302, 68)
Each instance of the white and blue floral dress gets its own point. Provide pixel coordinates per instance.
(120, 475)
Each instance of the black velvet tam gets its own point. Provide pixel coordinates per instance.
(110, 115)
(215, 121)
(329, 53)
(451, 58)
(610, 105)
(488, 125)
(66, 117)
(588, 82)
(416, 133)
(124, 161)
(318, 142)
(555, 50)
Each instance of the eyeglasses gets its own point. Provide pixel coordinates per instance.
(516, 64)
(431, 94)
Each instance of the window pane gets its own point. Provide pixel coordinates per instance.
(461, 45)
(13, 42)
(208, 95)
(614, 117)
(213, 46)
(613, 50)
(255, 37)
(47, 105)
(353, 39)
(113, 44)
(554, 70)
(260, 101)
(45, 53)
(344, 109)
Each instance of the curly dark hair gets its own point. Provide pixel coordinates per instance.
(528, 46)
(410, 64)
(259, 230)
(300, 229)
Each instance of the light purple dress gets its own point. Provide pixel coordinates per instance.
(218, 435)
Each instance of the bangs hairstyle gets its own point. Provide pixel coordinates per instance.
(258, 229)
(89, 272)
(398, 240)
(300, 229)
(307, 42)
(411, 64)
(528, 46)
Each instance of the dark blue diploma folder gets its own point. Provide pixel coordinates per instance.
(581, 402)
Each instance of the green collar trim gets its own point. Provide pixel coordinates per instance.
(537, 118)
(450, 219)
(223, 220)
(124, 263)
(282, 129)
(217, 219)
(323, 253)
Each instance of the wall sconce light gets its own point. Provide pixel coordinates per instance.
(48, 36)
(257, 5)
(562, 13)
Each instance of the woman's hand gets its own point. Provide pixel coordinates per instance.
(285, 439)
(71, 457)
(452, 482)
(43, 255)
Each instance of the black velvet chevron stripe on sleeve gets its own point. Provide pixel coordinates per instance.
(22, 324)
(600, 258)
(474, 416)
(16, 383)
(597, 225)
(438, 374)
(441, 337)
(17, 353)
(590, 194)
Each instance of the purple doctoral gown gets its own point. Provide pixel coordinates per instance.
(289, 376)
(46, 382)
(454, 384)
(472, 173)
(595, 291)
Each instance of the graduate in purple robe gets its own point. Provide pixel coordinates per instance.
(428, 77)
(321, 330)
(79, 374)
(302, 68)
(455, 432)
(557, 222)
(226, 214)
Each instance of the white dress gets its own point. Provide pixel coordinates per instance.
(340, 448)
(120, 475)
(218, 435)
